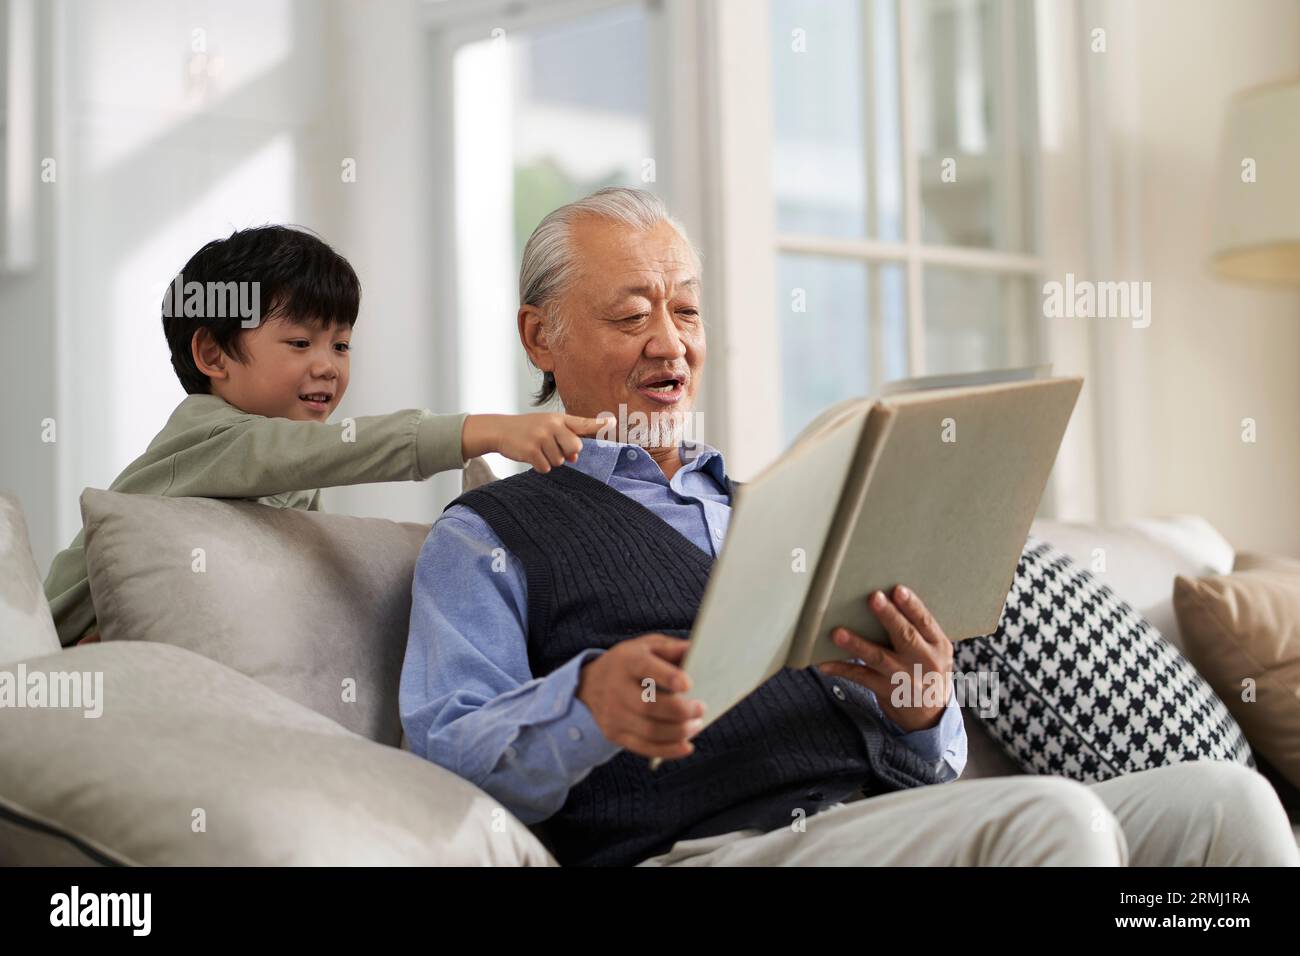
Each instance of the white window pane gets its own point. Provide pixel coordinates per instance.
(543, 116)
(581, 112)
(836, 165)
(976, 321)
(843, 332)
(974, 190)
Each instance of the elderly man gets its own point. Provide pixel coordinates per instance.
(545, 604)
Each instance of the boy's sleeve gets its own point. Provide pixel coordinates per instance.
(67, 589)
(254, 457)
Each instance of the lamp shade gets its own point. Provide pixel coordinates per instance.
(1257, 229)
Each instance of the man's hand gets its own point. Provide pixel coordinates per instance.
(916, 638)
(611, 687)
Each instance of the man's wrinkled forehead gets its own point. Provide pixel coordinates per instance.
(623, 261)
(658, 286)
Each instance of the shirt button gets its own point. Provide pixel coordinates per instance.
(631, 454)
(717, 533)
(575, 733)
(838, 691)
(510, 753)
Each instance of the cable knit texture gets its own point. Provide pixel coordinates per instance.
(602, 568)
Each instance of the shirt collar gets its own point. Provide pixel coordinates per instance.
(600, 456)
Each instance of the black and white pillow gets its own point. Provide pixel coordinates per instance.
(1086, 687)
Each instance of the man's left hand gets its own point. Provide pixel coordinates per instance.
(915, 637)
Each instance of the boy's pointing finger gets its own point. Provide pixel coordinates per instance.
(588, 426)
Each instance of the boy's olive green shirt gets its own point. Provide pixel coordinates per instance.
(210, 449)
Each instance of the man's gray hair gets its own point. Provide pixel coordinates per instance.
(547, 265)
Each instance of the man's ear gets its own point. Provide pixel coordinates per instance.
(532, 333)
(208, 356)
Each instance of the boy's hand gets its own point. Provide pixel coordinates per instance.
(542, 439)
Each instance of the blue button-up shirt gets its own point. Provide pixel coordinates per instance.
(469, 701)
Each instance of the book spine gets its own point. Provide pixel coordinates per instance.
(812, 617)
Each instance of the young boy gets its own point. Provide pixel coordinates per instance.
(260, 390)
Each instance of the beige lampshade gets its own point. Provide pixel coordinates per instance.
(1257, 230)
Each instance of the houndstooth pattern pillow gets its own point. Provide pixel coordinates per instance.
(1087, 689)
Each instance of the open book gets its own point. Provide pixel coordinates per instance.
(933, 485)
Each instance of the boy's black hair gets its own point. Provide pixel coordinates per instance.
(299, 278)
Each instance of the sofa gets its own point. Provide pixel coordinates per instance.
(241, 707)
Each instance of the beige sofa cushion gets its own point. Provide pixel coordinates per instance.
(1141, 559)
(315, 606)
(1255, 561)
(984, 755)
(26, 628)
(1246, 625)
(191, 763)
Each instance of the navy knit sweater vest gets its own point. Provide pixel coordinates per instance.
(602, 568)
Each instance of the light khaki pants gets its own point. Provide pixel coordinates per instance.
(1202, 813)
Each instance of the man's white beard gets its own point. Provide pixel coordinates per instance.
(663, 430)
(649, 430)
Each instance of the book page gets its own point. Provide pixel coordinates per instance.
(948, 506)
(879, 421)
(757, 589)
(995, 376)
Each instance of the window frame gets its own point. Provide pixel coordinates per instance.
(449, 25)
(710, 110)
(703, 74)
(911, 251)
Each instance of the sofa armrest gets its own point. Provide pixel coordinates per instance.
(191, 763)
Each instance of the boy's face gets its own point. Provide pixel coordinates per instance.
(286, 361)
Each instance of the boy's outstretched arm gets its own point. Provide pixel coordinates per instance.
(253, 456)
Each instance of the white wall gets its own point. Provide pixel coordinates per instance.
(381, 223)
(27, 384)
(153, 161)
(157, 154)
(1072, 492)
(165, 147)
(1215, 352)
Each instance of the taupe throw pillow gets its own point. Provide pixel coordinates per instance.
(1245, 627)
(315, 606)
(1256, 561)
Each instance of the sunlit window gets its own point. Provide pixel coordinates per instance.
(905, 192)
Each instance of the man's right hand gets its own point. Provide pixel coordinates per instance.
(611, 687)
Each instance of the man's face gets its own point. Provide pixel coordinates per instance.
(635, 334)
(286, 361)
